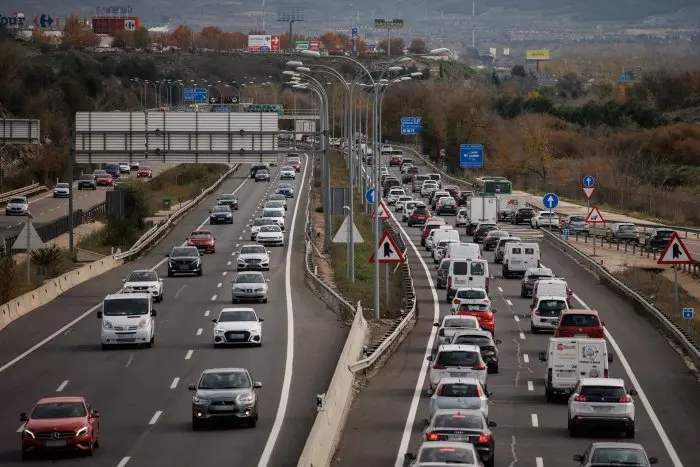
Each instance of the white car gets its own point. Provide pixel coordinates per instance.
(462, 217)
(439, 251)
(444, 453)
(270, 235)
(124, 168)
(545, 219)
(408, 208)
(401, 203)
(427, 188)
(135, 165)
(405, 166)
(17, 206)
(457, 361)
(545, 314)
(237, 326)
(599, 402)
(253, 257)
(460, 393)
(452, 324)
(394, 195)
(287, 173)
(470, 296)
(276, 215)
(257, 223)
(144, 281)
(249, 286)
(61, 190)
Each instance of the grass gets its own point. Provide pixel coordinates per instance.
(95, 242)
(659, 291)
(363, 288)
(183, 182)
(14, 273)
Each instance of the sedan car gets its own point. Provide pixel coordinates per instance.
(419, 216)
(482, 231)
(278, 197)
(287, 173)
(607, 453)
(275, 204)
(87, 182)
(237, 326)
(270, 235)
(443, 454)
(253, 257)
(452, 324)
(464, 426)
(61, 190)
(204, 240)
(59, 424)
(257, 224)
(17, 206)
(254, 169)
(229, 200)
(102, 178)
(144, 281)
(225, 394)
(220, 214)
(249, 286)
(124, 168)
(262, 175)
(144, 171)
(184, 260)
(285, 189)
(459, 393)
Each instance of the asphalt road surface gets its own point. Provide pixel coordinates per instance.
(142, 393)
(389, 416)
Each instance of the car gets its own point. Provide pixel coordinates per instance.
(575, 224)
(278, 197)
(254, 257)
(462, 217)
(257, 224)
(485, 341)
(255, 167)
(469, 296)
(545, 219)
(404, 166)
(607, 453)
(464, 426)
(395, 160)
(658, 238)
(501, 248)
(419, 216)
(522, 216)
(482, 230)
(220, 214)
(408, 174)
(428, 226)
(204, 240)
(531, 276)
(287, 173)
(61, 190)
(135, 165)
(408, 207)
(285, 189)
(144, 172)
(438, 251)
(464, 196)
(270, 235)
(601, 403)
(545, 314)
(113, 170)
(394, 195)
(452, 324)
(434, 198)
(276, 214)
(275, 204)
(481, 311)
(225, 394)
(184, 260)
(442, 454)
(428, 187)
(102, 178)
(249, 286)
(228, 199)
(124, 168)
(262, 175)
(59, 424)
(622, 232)
(457, 360)
(144, 281)
(459, 393)
(17, 206)
(295, 163)
(580, 323)
(400, 205)
(238, 326)
(446, 205)
(87, 182)
(492, 238)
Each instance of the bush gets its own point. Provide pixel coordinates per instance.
(52, 260)
(10, 279)
(125, 230)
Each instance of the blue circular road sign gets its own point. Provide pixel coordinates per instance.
(588, 181)
(371, 196)
(550, 201)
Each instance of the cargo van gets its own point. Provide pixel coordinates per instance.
(551, 287)
(519, 257)
(441, 235)
(127, 319)
(462, 251)
(473, 273)
(569, 360)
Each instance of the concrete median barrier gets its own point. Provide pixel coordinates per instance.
(325, 434)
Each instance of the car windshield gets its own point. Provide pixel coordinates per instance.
(497, 234)
(580, 320)
(420, 212)
(471, 294)
(17, 201)
(125, 307)
(461, 323)
(481, 341)
(459, 390)
(142, 276)
(551, 306)
(619, 456)
(469, 422)
(238, 315)
(61, 185)
(274, 213)
(200, 235)
(228, 380)
(259, 222)
(184, 252)
(458, 358)
(535, 277)
(227, 197)
(253, 250)
(249, 279)
(270, 228)
(577, 219)
(274, 204)
(86, 177)
(262, 172)
(59, 410)
(221, 209)
(664, 233)
(446, 455)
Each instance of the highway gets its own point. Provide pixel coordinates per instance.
(142, 393)
(388, 417)
(45, 208)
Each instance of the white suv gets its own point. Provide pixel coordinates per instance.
(545, 219)
(601, 402)
(545, 313)
(394, 195)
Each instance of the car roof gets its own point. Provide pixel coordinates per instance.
(580, 312)
(459, 318)
(446, 444)
(142, 270)
(610, 382)
(224, 370)
(552, 281)
(539, 271)
(58, 400)
(125, 296)
(459, 348)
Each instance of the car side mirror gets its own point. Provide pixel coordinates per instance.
(209, 211)
(192, 387)
(160, 280)
(409, 456)
(214, 320)
(610, 358)
(261, 320)
(437, 325)
(267, 280)
(603, 323)
(257, 385)
(578, 458)
(542, 356)
(154, 312)
(429, 358)
(493, 424)
(123, 280)
(633, 392)
(498, 341)
(653, 460)
(94, 414)
(99, 314)
(23, 417)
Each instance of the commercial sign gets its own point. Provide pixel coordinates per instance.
(263, 43)
(275, 108)
(538, 54)
(14, 20)
(388, 23)
(114, 10)
(315, 44)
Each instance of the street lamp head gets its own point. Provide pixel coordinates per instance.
(311, 53)
(294, 64)
(288, 72)
(303, 69)
(397, 80)
(438, 51)
(395, 68)
(416, 74)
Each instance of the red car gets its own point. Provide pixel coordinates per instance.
(419, 217)
(104, 179)
(144, 172)
(481, 311)
(295, 163)
(59, 424)
(203, 240)
(580, 323)
(395, 161)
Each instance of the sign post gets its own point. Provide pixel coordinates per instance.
(594, 217)
(389, 253)
(411, 125)
(550, 201)
(676, 253)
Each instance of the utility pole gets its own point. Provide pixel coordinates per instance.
(71, 157)
(290, 15)
(473, 24)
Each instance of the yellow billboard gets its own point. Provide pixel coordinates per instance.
(538, 54)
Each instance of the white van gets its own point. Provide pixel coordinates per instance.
(569, 360)
(551, 287)
(127, 319)
(441, 235)
(519, 257)
(472, 273)
(462, 251)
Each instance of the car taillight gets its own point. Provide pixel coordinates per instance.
(439, 390)
(483, 439)
(625, 400)
(432, 437)
(580, 398)
(449, 282)
(456, 301)
(537, 312)
(488, 238)
(480, 366)
(479, 392)
(488, 281)
(438, 366)
(605, 373)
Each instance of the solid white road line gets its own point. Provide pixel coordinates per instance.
(539, 462)
(189, 354)
(124, 461)
(62, 386)
(526, 358)
(530, 386)
(155, 417)
(500, 289)
(199, 331)
(206, 313)
(535, 421)
(213, 298)
(289, 360)
(173, 385)
(48, 339)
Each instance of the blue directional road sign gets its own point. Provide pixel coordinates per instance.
(371, 196)
(354, 31)
(471, 156)
(372, 46)
(688, 313)
(411, 125)
(550, 201)
(412, 120)
(626, 78)
(588, 181)
(196, 94)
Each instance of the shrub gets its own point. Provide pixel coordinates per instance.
(52, 260)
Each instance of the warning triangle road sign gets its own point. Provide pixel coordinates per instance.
(675, 252)
(342, 235)
(389, 252)
(588, 191)
(382, 211)
(28, 239)
(594, 216)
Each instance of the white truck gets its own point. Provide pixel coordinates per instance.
(569, 360)
(508, 205)
(481, 210)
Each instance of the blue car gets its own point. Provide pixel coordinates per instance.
(285, 189)
(113, 170)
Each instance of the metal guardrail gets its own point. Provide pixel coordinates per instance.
(24, 191)
(674, 330)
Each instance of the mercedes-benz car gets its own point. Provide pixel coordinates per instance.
(270, 235)
(184, 260)
(249, 286)
(228, 199)
(144, 281)
(220, 214)
(237, 326)
(224, 394)
(285, 189)
(254, 257)
(262, 175)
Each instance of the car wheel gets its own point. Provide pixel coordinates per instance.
(196, 424)
(105, 347)
(199, 273)
(251, 422)
(523, 294)
(264, 300)
(161, 297)
(533, 329)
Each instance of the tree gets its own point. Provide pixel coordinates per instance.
(360, 45)
(571, 85)
(417, 46)
(210, 38)
(75, 35)
(182, 37)
(518, 71)
(142, 38)
(397, 46)
(537, 146)
(333, 42)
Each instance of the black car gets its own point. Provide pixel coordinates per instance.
(113, 170)
(492, 239)
(463, 197)
(408, 176)
(448, 207)
(390, 183)
(221, 214)
(454, 425)
(184, 260)
(522, 216)
(532, 276)
(482, 230)
(658, 238)
(487, 344)
(87, 182)
(254, 169)
(229, 200)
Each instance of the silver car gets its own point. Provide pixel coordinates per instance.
(17, 206)
(253, 257)
(61, 190)
(460, 393)
(615, 454)
(257, 223)
(457, 361)
(249, 286)
(443, 454)
(262, 175)
(452, 324)
(225, 394)
(576, 224)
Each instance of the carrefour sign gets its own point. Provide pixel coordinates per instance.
(11, 20)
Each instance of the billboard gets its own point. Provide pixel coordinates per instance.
(263, 43)
(538, 54)
(388, 23)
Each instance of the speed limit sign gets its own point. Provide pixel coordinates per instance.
(442, 153)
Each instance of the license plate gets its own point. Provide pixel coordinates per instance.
(224, 408)
(458, 374)
(459, 438)
(552, 321)
(183, 267)
(237, 336)
(55, 444)
(602, 408)
(516, 261)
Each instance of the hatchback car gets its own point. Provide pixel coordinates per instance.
(238, 326)
(459, 393)
(463, 426)
(145, 172)
(580, 323)
(203, 240)
(452, 324)
(658, 238)
(607, 453)
(545, 314)
(418, 216)
(531, 276)
(492, 238)
(601, 403)
(257, 224)
(102, 178)
(443, 453)
(457, 361)
(249, 286)
(184, 260)
(575, 224)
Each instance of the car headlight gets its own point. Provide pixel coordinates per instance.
(254, 331)
(142, 323)
(81, 431)
(28, 434)
(107, 325)
(228, 214)
(260, 289)
(241, 261)
(199, 401)
(219, 331)
(128, 288)
(245, 398)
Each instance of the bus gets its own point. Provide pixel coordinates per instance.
(499, 186)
